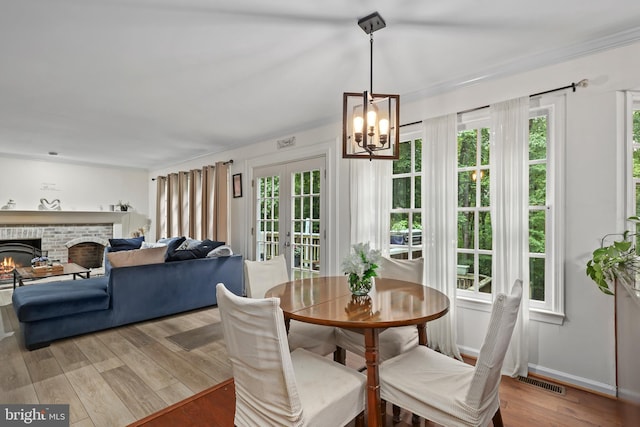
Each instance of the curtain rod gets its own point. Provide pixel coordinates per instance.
(228, 162)
(573, 86)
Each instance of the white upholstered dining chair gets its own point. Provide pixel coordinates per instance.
(446, 390)
(392, 341)
(260, 276)
(276, 387)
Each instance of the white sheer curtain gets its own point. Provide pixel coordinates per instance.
(510, 219)
(439, 201)
(370, 196)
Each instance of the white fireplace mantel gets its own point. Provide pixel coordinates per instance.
(16, 217)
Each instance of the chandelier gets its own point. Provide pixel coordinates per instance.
(370, 120)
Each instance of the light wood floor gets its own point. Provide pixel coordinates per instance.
(115, 377)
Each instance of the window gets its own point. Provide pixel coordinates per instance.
(474, 216)
(406, 217)
(474, 255)
(633, 132)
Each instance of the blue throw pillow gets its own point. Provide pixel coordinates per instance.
(126, 244)
(172, 247)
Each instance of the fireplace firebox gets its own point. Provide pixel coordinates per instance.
(17, 253)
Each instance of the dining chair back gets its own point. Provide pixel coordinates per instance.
(260, 276)
(446, 390)
(486, 378)
(392, 341)
(274, 386)
(410, 270)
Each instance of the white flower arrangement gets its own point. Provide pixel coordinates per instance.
(361, 266)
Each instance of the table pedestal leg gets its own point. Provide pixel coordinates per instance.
(374, 413)
(422, 334)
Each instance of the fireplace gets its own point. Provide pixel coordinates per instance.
(87, 254)
(17, 253)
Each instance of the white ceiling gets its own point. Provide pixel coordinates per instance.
(148, 83)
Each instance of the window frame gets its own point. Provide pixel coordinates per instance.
(411, 137)
(477, 120)
(552, 309)
(632, 103)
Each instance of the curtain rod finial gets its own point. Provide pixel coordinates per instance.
(583, 83)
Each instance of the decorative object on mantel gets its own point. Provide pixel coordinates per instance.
(370, 121)
(10, 205)
(45, 205)
(361, 266)
(123, 206)
(619, 260)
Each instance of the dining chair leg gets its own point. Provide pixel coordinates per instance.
(497, 419)
(340, 355)
(415, 419)
(396, 414)
(360, 419)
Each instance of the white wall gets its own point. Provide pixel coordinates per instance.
(78, 187)
(582, 350)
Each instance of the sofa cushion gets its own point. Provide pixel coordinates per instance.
(126, 244)
(56, 299)
(137, 257)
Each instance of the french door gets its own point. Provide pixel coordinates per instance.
(288, 210)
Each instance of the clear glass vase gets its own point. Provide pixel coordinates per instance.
(360, 286)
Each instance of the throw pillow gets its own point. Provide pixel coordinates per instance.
(173, 246)
(137, 257)
(199, 251)
(126, 244)
(149, 245)
(223, 250)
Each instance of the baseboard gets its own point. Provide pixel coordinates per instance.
(629, 396)
(562, 377)
(574, 380)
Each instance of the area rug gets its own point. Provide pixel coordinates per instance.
(194, 338)
(213, 407)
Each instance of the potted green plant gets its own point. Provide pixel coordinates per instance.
(124, 206)
(619, 260)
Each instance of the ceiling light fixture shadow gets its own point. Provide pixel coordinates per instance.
(370, 120)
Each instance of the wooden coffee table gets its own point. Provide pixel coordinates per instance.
(26, 273)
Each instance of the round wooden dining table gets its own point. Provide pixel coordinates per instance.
(390, 303)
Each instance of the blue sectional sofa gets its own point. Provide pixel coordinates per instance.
(51, 311)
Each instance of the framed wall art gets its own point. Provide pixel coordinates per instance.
(237, 185)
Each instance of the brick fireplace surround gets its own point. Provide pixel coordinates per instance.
(58, 238)
(61, 230)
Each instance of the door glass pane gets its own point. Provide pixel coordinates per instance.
(267, 238)
(306, 229)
